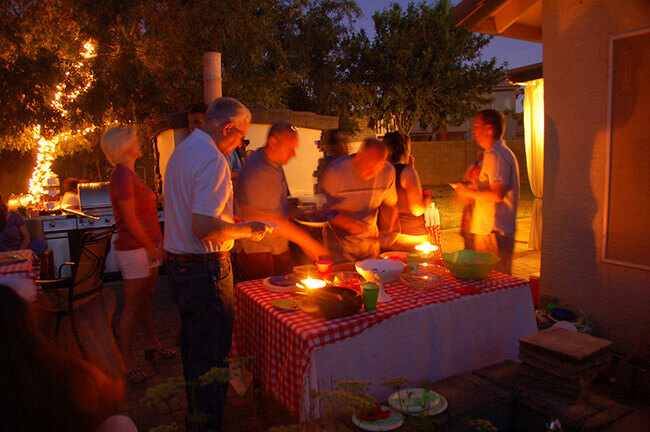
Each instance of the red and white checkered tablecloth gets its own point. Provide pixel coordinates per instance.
(29, 268)
(282, 342)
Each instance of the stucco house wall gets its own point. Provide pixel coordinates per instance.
(576, 51)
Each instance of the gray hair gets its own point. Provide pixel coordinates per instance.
(115, 142)
(225, 109)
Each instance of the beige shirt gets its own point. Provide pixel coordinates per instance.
(499, 167)
(197, 180)
(347, 192)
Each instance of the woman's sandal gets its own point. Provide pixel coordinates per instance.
(136, 376)
(163, 353)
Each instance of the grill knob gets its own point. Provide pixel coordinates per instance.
(107, 220)
(52, 224)
(91, 222)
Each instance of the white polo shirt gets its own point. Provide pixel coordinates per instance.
(499, 167)
(197, 180)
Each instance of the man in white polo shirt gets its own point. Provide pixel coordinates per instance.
(199, 232)
(496, 195)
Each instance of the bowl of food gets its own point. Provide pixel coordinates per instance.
(346, 279)
(427, 277)
(380, 270)
(470, 265)
(332, 302)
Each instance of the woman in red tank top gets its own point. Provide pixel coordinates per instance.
(137, 245)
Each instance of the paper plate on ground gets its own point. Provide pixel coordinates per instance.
(437, 409)
(414, 400)
(395, 420)
(279, 284)
(287, 304)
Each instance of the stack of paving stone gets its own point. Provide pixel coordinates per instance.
(561, 362)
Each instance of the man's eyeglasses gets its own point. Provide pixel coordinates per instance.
(244, 142)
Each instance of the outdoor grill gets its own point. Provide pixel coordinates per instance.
(63, 232)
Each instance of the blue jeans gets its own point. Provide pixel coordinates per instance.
(203, 293)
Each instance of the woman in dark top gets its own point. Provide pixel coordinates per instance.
(137, 246)
(14, 234)
(411, 204)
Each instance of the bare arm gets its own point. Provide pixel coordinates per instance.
(208, 228)
(494, 195)
(410, 181)
(349, 224)
(25, 238)
(292, 232)
(135, 228)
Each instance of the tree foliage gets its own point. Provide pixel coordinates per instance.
(300, 54)
(423, 68)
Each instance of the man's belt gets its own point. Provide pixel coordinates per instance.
(198, 258)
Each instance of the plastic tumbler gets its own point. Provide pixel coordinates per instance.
(370, 292)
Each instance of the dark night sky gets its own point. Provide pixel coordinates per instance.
(517, 53)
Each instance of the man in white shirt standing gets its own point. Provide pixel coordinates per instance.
(496, 194)
(199, 232)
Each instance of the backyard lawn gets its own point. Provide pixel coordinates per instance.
(451, 210)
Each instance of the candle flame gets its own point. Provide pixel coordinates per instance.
(426, 247)
(313, 283)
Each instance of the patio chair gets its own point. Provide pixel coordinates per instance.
(64, 296)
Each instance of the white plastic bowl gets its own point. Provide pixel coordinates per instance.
(386, 270)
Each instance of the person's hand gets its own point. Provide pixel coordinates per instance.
(153, 254)
(318, 253)
(411, 161)
(258, 230)
(161, 253)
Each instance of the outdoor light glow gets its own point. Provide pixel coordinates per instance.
(47, 146)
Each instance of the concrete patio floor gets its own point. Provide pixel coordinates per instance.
(241, 413)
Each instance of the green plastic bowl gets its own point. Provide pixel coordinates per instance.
(470, 265)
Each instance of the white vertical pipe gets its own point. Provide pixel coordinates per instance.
(211, 76)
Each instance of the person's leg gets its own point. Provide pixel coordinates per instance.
(506, 246)
(145, 313)
(134, 294)
(205, 334)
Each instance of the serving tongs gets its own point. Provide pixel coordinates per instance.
(79, 213)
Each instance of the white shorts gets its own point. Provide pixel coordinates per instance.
(134, 263)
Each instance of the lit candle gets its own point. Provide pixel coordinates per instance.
(426, 248)
(313, 283)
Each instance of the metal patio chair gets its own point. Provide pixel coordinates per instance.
(64, 296)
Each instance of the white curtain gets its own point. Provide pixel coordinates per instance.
(534, 139)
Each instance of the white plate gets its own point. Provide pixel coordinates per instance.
(278, 288)
(411, 400)
(437, 409)
(395, 420)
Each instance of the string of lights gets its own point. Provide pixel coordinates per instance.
(47, 146)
